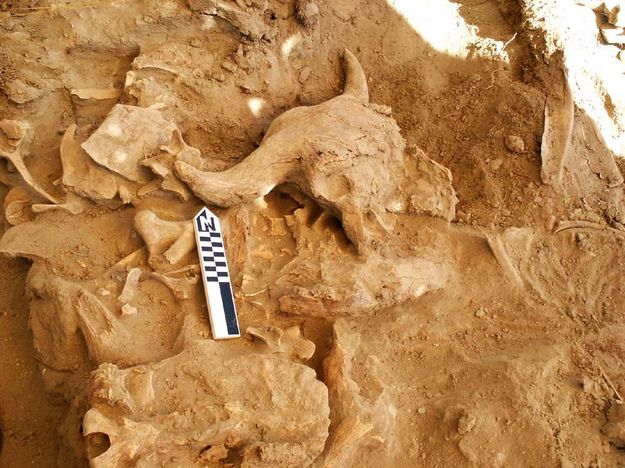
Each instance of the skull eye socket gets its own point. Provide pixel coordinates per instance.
(96, 444)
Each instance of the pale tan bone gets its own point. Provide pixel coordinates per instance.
(329, 280)
(289, 342)
(360, 423)
(69, 308)
(350, 288)
(104, 334)
(162, 165)
(11, 149)
(248, 20)
(346, 154)
(95, 93)
(67, 315)
(130, 286)
(183, 152)
(83, 176)
(72, 204)
(17, 206)
(228, 396)
(559, 115)
(167, 241)
(515, 240)
(128, 135)
(182, 288)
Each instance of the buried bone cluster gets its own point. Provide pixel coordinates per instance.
(346, 154)
(133, 325)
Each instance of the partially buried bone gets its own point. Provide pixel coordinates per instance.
(162, 164)
(81, 174)
(181, 287)
(128, 135)
(289, 341)
(327, 278)
(17, 206)
(209, 395)
(361, 422)
(130, 286)
(12, 137)
(346, 154)
(559, 115)
(247, 19)
(66, 315)
(72, 204)
(167, 241)
(349, 286)
(61, 309)
(107, 339)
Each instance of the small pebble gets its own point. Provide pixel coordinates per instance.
(421, 410)
(496, 164)
(127, 309)
(515, 144)
(481, 312)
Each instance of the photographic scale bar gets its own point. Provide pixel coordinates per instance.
(215, 276)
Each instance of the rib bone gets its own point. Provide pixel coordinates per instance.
(11, 149)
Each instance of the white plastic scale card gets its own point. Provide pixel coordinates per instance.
(214, 266)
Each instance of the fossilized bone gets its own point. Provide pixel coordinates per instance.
(17, 206)
(248, 20)
(162, 164)
(130, 286)
(551, 267)
(167, 241)
(128, 135)
(350, 287)
(12, 139)
(289, 342)
(181, 287)
(559, 115)
(180, 282)
(359, 422)
(345, 153)
(81, 174)
(72, 204)
(66, 315)
(209, 395)
(327, 278)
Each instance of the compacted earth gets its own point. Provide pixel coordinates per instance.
(423, 211)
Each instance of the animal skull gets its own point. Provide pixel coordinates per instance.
(208, 395)
(346, 154)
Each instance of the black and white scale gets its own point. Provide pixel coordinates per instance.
(216, 278)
